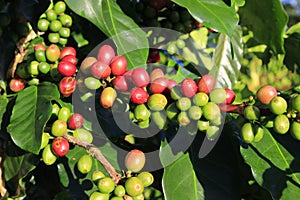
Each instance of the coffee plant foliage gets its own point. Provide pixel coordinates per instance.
(242, 44)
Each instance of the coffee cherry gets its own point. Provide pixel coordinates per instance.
(183, 104)
(67, 86)
(119, 191)
(75, 121)
(48, 156)
(278, 105)
(295, 130)
(159, 85)
(55, 25)
(105, 54)
(296, 103)
(211, 111)
(134, 186)
(100, 70)
(200, 99)
(159, 118)
(62, 41)
(212, 132)
(140, 77)
(157, 102)
(171, 84)
(45, 140)
(59, 128)
(53, 52)
(67, 51)
(266, 93)
(206, 83)
(176, 92)
(64, 32)
(189, 87)
(108, 97)
(106, 185)
(258, 133)
(135, 160)
(43, 25)
(97, 175)
(44, 67)
(66, 20)
(218, 95)
(230, 96)
(252, 112)
(247, 133)
(85, 163)
(83, 135)
(99, 196)
(60, 146)
(194, 112)
(120, 83)
(86, 64)
(59, 7)
(144, 123)
(51, 15)
(281, 124)
(146, 178)
(64, 113)
(40, 55)
(17, 84)
(33, 68)
(156, 73)
(66, 68)
(202, 125)
(118, 65)
(183, 118)
(53, 38)
(92, 83)
(138, 96)
(141, 112)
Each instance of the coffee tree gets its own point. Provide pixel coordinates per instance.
(149, 99)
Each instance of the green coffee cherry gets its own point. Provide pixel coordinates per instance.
(85, 164)
(106, 185)
(134, 186)
(146, 178)
(119, 191)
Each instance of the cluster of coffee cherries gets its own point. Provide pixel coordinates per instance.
(62, 121)
(130, 187)
(56, 23)
(164, 13)
(273, 111)
(47, 63)
(12, 23)
(151, 96)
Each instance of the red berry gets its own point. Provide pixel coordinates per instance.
(67, 86)
(140, 77)
(70, 58)
(67, 51)
(188, 87)
(118, 65)
(105, 54)
(135, 160)
(156, 73)
(60, 146)
(120, 83)
(39, 47)
(75, 121)
(171, 84)
(266, 93)
(230, 96)
(206, 83)
(159, 85)
(100, 70)
(139, 96)
(17, 84)
(66, 68)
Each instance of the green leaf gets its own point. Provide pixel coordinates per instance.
(110, 19)
(267, 19)
(3, 104)
(273, 166)
(227, 57)
(186, 185)
(212, 13)
(294, 29)
(18, 165)
(29, 115)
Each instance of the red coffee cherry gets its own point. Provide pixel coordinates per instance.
(139, 96)
(100, 70)
(67, 51)
(118, 65)
(266, 93)
(140, 77)
(75, 121)
(17, 84)
(70, 58)
(159, 85)
(188, 87)
(105, 54)
(67, 86)
(120, 83)
(135, 160)
(60, 146)
(230, 96)
(66, 68)
(206, 83)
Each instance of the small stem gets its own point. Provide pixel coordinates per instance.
(96, 153)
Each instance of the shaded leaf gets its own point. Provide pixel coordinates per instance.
(227, 57)
(185, 185)
(268, 15)
(213, 13)
(274, 167)
(110, 19)
(3, 104)
(29, 115)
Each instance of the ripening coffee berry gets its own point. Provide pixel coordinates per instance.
(75, 121)
(206, 83)
(135, 160)
(60, 146)
(59, 127)
(266, 93)
(105, 54)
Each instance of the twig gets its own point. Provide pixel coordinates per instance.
(95, 152)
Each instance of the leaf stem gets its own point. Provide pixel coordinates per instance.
(96, 153)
